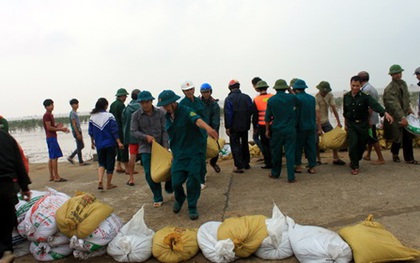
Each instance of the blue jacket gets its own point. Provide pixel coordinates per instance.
(238, 110)
(104, 129)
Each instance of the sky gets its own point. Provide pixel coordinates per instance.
(89, 49)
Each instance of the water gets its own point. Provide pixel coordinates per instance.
(35, 146)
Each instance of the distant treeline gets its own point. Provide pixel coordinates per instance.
(33, 124)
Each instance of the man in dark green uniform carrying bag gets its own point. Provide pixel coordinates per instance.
(356, 105)
(183, 126)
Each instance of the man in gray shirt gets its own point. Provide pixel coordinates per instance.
(148, 125)
(373, 120)
(77, 133)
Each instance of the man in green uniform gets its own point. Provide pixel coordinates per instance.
(197, 105)
(356, 105)
(306, 127)
(183, 126)
(280, 122)
(397, 103)
(116, 109)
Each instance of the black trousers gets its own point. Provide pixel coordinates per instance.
(407, 145)
(265, 143)
(8, 219)
(240, 148)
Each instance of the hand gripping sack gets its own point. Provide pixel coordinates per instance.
(247, 233)
(56, 247)
(334, 139)
(277, 244)
(81, 215)
(313, 244)
(134, 241)
(160, 163)
(23, 206)
(213, 147)
(213, 249)
(371, 242)
(175, 244)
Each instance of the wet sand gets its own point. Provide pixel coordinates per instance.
(331, 198)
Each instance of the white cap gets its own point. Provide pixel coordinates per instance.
(187, 85)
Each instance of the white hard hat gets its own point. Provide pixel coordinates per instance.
(187, 85)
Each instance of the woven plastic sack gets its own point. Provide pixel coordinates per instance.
(160, 163)
(39, 222)
(334, 139)
(134, 241)
(56, 247)
(213, 147)
(277, 244)
(213, 249)
(22, 249)
(84, 255)
(313, 244)
(371, 242)
(81, 215)
(23, 206)
(100, 237)
(413, 126)
(247, 233)
(175, 244)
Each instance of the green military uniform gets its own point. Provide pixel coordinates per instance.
(281, 111)
(198, 106)
(184, 136)
(127, 112)
(356, 113)
(116, 109)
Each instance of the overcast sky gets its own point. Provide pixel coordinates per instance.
(88, 49)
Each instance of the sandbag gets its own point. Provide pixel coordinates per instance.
(81, 215)
(23, 206)
(247, 233)
(313, 244)
(277, 244)
(160, 163)
(100, 237)
(55, 247)
(22, 249)
(133, 242)
(413, 126)
(371, 242)
(39, 222)
(334, 139)
(213, 147)
(175, 244)
(84, 255)
(213, 249)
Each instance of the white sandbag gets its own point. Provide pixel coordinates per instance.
(134, 241)
(23, 206)
(213, 249)
(313, 244)
(56, 247)
(413, 124)
(99, 238)
(22, 249)
(277, 244)
(39, 222)
(84, 255)
(17, 238)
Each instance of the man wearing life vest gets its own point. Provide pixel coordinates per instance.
(258, 122)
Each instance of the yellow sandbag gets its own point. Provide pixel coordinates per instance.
(371, 242)
(175, 244)
(212, 147)
(81, 215)
(334, 139)
(247, 233)
(160, 163)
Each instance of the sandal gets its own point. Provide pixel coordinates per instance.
(355, 171)
(111, 186)
(339, 162)
(157, 204)
(130, 183)
(60, 180)
(412, 162)
(396, 159)
(272, 176)
(100, 186)
(311, 170)
(120, 171)
(216, 168)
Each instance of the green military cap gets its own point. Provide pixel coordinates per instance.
(324, 86)
(395, 69)
(261, 84)
(167, 97)
(121, 92)
(280, 84)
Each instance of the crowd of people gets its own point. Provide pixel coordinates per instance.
(286, 123)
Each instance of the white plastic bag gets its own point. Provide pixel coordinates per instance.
(23, 206)
(56, 247)
(84, 255)
(277, 244)
(213, 249)
(39, 222)
(313, 244)
(134, 241)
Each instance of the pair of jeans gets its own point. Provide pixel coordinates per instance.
(79, 146)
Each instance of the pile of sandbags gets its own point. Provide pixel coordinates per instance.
(254, 150)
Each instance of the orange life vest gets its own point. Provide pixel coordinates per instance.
(261, 104)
